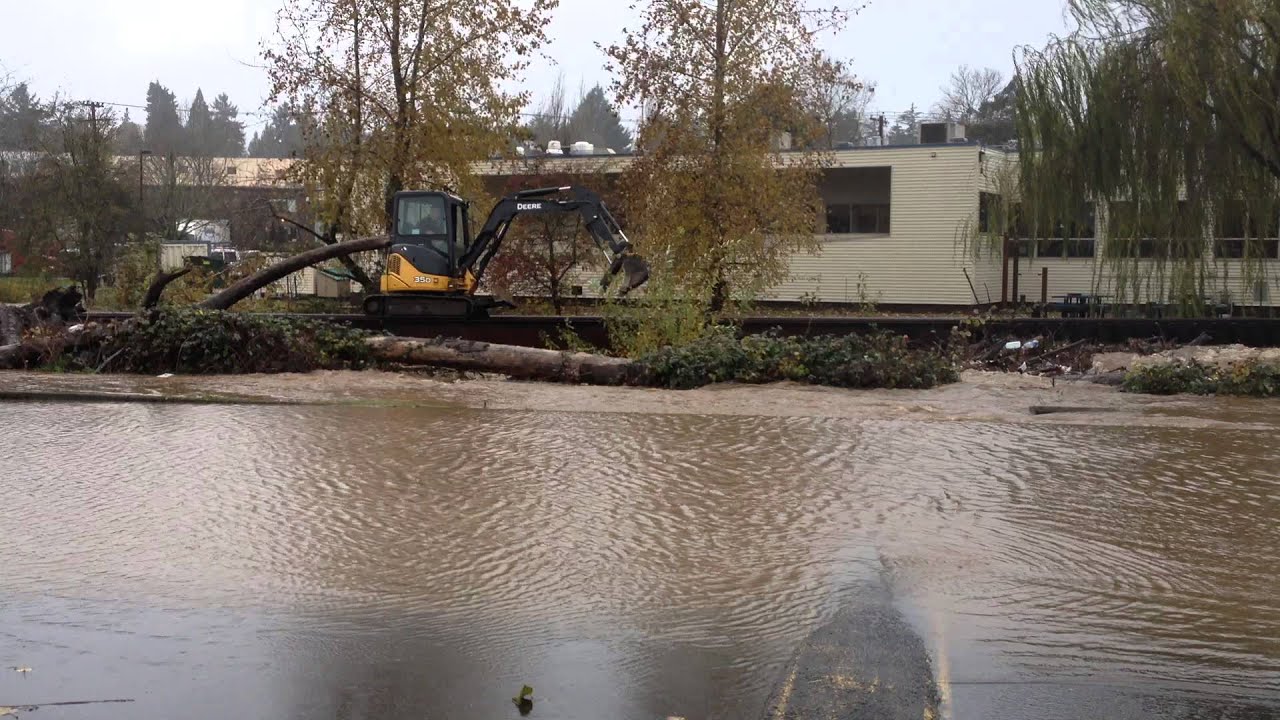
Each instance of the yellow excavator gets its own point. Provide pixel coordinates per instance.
(434, 266)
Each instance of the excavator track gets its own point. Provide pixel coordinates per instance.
(452, 307)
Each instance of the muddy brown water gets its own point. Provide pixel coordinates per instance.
(386, 562)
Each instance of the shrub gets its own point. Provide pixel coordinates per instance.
(878, 359)
(1246, 378)
(1250, 378)
(660, 316)
(134, 270)
(206, 342)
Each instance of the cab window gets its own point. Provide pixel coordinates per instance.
(422, 215)
(459, 231)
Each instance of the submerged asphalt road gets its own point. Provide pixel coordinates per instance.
(865, 662)
(869, 662)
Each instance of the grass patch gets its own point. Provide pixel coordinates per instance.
(1251, 378)
(879, 359)
(20, 289)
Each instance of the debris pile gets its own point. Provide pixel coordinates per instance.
(1048, 356)
(1034, 356)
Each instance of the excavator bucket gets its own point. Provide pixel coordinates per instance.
(635, 272)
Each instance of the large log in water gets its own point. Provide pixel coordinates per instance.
(518, 362)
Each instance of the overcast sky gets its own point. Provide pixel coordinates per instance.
(89, 49)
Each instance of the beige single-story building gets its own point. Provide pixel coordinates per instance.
(902, 223)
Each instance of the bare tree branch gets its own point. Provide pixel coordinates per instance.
(352, 266)
(161, 281)
(970, 88)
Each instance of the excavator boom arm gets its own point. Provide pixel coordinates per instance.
(597, 220)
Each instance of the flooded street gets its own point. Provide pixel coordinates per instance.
(407, 562)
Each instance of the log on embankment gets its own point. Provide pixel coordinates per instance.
(28, 330)
(517, 362)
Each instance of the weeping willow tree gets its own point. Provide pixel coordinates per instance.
(1166, 115)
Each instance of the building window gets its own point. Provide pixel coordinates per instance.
(1240, 234)
(1080, 248)
(1252, 248)
(998, 219)
(6, 263)
(1075, 238)
(1166, 248)
(986, 211)
(858, 219)
(839, 219)
(1167, 235)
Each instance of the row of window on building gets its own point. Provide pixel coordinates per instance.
(1238, 235)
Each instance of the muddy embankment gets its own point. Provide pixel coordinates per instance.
(979, 396)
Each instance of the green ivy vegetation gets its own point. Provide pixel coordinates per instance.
(879, 359)
(1247, 378)
(192, 341)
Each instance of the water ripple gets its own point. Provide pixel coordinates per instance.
(640, 550)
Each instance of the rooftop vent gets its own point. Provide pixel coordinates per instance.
(936, 133)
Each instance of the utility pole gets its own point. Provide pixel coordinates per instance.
(142, 212)
(93, 106)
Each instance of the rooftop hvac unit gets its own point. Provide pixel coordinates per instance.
(582, 148)
(941, 133)
(553, 148)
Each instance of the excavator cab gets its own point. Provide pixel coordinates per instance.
(430, 236)
(434, 266)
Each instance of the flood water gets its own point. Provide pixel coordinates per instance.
(322, 562)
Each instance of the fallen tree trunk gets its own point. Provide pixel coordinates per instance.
(14, 319)
(248, 286)
(518, 362)
(159, 283)
(357, 272)
(12, 356)
(53, 311)
(14, 322)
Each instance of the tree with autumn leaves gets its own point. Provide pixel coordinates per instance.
(394, 95)
(726, 186)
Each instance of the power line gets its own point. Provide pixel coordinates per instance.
(186, 111)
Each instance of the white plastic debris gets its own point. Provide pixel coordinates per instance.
(165, 375)
(1013, 345)
(76, 328)
(1031, 344)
